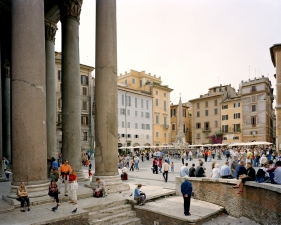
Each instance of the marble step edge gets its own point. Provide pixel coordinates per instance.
(114, 218)
(109, 211)
(106, 205)
(130, 221)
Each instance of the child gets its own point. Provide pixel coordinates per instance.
(172, 166)
(90, 168)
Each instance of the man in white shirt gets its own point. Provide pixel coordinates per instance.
(184, 171)
(165, 171)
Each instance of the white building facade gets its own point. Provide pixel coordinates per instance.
(134, 118)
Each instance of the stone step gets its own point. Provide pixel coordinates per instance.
(114, 218)
(131, 221)
(106, 205)
(109, 211)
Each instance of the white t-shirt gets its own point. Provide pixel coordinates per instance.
(216, 173)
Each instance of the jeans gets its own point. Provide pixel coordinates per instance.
(23, 200)
(137, 166)
(155, 169)
(160, 169)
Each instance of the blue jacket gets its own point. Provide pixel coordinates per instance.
(186, 188)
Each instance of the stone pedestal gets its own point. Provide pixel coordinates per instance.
(50, 32)
(106, 120)
(28, 96)
(71, 100)
(113, 183)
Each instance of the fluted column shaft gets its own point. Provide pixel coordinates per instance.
(50, 32)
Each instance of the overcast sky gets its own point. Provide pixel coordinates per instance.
(192, 44)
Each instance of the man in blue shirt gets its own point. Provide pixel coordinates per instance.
(184, 171)
(225, 171)
(186, 190)
(139, 196)
(55, 165)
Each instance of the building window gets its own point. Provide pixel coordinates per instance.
(165, 106)
(236, 127)
(253, 89)
(147, 127)
(136, 136)
(84, 80)
(128, 100)
(133, 80)
(216, 111)
(85, 104)
(184, 128)
(157, 134)
(236, 138)
(147, 104)
(122, 111)
(126, 82)
(216, 123)
(206, 126)
(224, 138)
(173, 112)
(216, 102)
(147, 115)
(84, 120)
(254, 108)
(142, 103)
(253, 98)
(206, 104)
(206, 112)
(143, 126)
(224, 106)
(140, 83)
(156, 102)
(136, 103)
(157, 119)
(198, 125)
(198, 105)
(59, 103)
(136, 113)
(225, 128)
(84, 91)
(142, 114)
(254, 132)
(184, 112)
(224, 117)
(136, 125)
(123, 124)
(173, 126)
(59, 75)
(123, 99)
(165, 121)
(156, 92)
(59, 118)
(147, 136)
(165, 135)
(128, 112)
(236, 116)
(198, 136)
(85, 136)
(128, 124)
(236, 105)
(164, 94)
(129, 135)
(198, 114)
(254, 121)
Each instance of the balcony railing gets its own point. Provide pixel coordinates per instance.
(165, 126)
(206, 129)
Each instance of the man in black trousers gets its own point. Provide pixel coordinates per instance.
(186, 190)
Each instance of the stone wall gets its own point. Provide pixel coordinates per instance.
(259, 202)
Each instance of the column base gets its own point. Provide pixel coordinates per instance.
(34, 191)
(80, 176)
(113, 183)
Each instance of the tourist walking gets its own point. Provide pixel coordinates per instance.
(186, 190)
(155, 165)
(165, 170)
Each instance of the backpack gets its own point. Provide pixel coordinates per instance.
(6, 162)
(98, 194)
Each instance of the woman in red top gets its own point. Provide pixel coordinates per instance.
(73, 186)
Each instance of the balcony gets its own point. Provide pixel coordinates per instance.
(206, 129)
(165, 126)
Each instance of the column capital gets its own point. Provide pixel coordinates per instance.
(50, 31)
(70, 8)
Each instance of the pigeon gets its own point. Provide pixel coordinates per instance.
(74, 211)
(55, 208)
(130, 195)
(120, 192)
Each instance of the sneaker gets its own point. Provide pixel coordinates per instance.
(66, 195)
(22, 210)
(141, 204)
(28, 209)
(188, 214)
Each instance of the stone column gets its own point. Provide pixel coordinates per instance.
(106, 120)
(1, 104)
(7, 111)
(50, 33)
(275, 51)
(71, 96)
(28, 97)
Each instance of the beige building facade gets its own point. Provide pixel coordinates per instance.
(150, 84)
(257, 98)
(206, 113)
(231, 120)
(86, 103)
